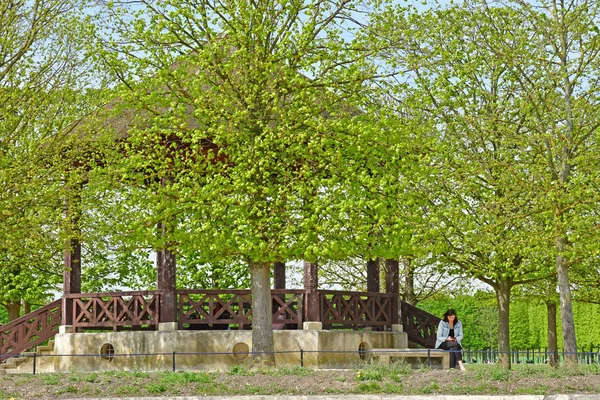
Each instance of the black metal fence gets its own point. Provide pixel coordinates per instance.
(423, 358)
(589, 355)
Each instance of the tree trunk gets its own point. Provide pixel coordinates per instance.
(26, 307)
(262, 314)
(503, 297)
(562, 269)
(409, 282)
(552, 334)
(13, 308)
(566, 307)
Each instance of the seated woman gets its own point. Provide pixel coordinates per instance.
(449, 336)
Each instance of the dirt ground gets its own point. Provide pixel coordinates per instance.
(477, 380)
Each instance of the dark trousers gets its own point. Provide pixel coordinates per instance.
(455, 352)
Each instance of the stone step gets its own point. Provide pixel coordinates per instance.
(46, 349)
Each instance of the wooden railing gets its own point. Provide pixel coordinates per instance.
(419, 325)
(30, 330)
(357, 309)
(216, 309)
(116, 311)
(222, 309)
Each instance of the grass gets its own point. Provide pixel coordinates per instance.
(397, 378)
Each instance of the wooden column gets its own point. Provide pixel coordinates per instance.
(392, 286)
(373, 275)
(279, 275)
(311, 283)
(166, 281)
(71, 259)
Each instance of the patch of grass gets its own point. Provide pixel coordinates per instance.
(22, 381)
(369, 387)
(241, 370)
(211, 388)
(50, 379)
(256, 390)
(480, 388)
(432, 387)
(372, 372)
(75, 377)
(499, 374)
(393, 388)
(67, 389)
(8, 395)
(185, 377)
(286, 371)
(156, 388)
(400, 368)
(91, 378)
(127, 389)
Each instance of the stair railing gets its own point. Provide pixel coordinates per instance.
(30, 330)
(419, 325)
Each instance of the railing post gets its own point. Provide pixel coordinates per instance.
(34, 361)
(313, 304)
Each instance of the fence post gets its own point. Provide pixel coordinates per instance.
(301, 358)
(428, 358)
(34, 361)
(173, 361)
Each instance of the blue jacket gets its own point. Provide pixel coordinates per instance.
(444, 330)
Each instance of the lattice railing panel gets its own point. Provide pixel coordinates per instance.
(222, 309)
(115, 310)
(356, 309)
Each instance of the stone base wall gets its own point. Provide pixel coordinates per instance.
(126, 350)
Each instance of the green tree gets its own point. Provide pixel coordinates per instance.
(559, 78)
(42, 72)
(480, 193)
(245, 121)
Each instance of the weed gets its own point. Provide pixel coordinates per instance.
(8, 395)
(50, 379)
(155, 388)
(127, 389)
(75, 377)
(433, 387)
(369, 387)
(394, 389)
(499, 374)
(186, 377)
(91, 378)
(67, 389)
(372, 373)
(241, 370)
